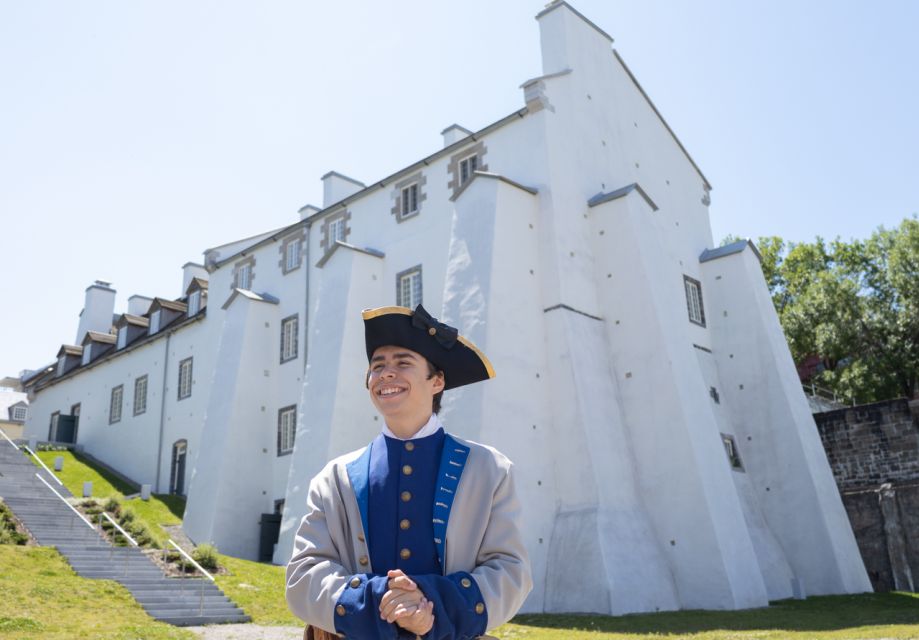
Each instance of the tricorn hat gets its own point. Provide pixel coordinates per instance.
(459, 359)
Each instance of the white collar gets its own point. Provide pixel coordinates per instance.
(429, 429)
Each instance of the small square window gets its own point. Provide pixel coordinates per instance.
(408, 288)
(114, 413)
(289, 338)
(409, 200)
(467, 167)
(287, 429)
(185, 371)
(694, 300)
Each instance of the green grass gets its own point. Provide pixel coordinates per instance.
(44, 599)
(258, 588)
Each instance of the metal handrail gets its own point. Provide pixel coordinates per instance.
(64, 500)
(118, 526)
(3, 433)
(44, 466)
(192, 560)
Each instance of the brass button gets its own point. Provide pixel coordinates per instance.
(360, 537)
(363, 560)
(406, 496)
(466, 582)
(407, 469)
(480, 608)
(410, 446)
(404, 524)
(355, 583)
(432, 331)
(405, 554)
(340, 609)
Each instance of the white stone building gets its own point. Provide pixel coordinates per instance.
(664, 448)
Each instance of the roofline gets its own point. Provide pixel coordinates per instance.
(600, 198)
(357, 195)
(561, 3)
(226, 244)
(493, 176)
(343, 177)
(664, 122)
(729, 250)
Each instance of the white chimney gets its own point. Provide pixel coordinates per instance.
(139, 305)
(454, 133)
(97, 310)
(307, 210)
(191, 270)
(336, 187)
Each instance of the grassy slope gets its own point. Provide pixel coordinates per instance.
(43, 598)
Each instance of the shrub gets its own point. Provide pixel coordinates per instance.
(112, 505)
(127, 516)
(206, 556)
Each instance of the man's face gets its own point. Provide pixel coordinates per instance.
(399, 384)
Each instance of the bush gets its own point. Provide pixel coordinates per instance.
(127, 516)
(206, 556)
(112, 506)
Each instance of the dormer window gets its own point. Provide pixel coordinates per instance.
(87, 350)
(194, 303)
(122, 338)
(154, 322)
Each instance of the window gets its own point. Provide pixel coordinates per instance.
(289, 338)
(287, 429)
(61, 363)
(185, 378)
(244, 277)
(292, 256)
(409, 200)
(114, 410)
(466, 168)
(694, 300)
(19, 414)
(194, 303)
(336, 231)
(140, 395)
(154, 322)
(87, 352)
(122, 337)
(408, 288)
(52, 427)
(730, 447)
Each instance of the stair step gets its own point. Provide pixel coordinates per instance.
(196, 621)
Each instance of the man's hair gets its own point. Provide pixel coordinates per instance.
(432, 371)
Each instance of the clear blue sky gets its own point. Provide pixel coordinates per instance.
(134, 135)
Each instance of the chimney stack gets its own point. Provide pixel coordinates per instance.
(454, 133)
(337, 187)
(98, 308)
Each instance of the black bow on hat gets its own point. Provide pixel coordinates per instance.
(444, 334)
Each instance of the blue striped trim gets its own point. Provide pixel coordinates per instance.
(452, 462)
(359, 474)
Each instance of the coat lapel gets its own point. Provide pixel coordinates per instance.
(359, 475)
(452, 462)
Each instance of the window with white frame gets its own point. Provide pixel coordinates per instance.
(292, 256)
(194, 302)
(244, 276)
(289, 338)
(20, 413)
(87, 353)
(287, 429)
(154, 322)
(467, 167)
(52, 428)
(185, 370)
(694, 300)
(336, 230)
(409, 200)
(140, 395)
(730, 448)
(408, 287)
(122, 337)
(114, 409)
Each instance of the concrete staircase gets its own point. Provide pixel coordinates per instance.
(177, 601)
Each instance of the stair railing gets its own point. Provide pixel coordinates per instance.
(199, 568)
(126, 536)
(69, 506)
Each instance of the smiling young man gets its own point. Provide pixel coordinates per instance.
(415, 535)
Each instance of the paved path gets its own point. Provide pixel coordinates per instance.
(247, 632)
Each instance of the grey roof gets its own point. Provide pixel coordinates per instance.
(600, 198)
(70, 350)
(97, 336)
(494, 176)
(172, 305)
(137, 321)
(251, 295)
(729, 249)
(196, 283)
(338, 243)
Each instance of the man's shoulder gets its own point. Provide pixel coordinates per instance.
(484, 454)
(340, 463)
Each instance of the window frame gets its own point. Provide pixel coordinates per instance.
(16, 410)
(409, 200)
(292, 351)
(244, 276)
(155, 321)
(400, 290)
(52, 426)
(293, 247)
(730, 449)
(291, 411)
(180, 381)
(336, 222)
(143, 408)
(691, 285)
(470, 164)
(112, 419)
(194, 296)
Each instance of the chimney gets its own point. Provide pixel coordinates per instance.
(138, 305)
(307, 210)
(191, 270)
(337, 187)
(98, 309)
(454, 133)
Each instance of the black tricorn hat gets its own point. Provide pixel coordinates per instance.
(459, 359)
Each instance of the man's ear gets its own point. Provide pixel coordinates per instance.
(439, 382)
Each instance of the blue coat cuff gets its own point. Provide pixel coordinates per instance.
(459, 609)
(357, 612)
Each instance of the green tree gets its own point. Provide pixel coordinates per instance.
(855, 306)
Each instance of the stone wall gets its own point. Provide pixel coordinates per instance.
(874, 453)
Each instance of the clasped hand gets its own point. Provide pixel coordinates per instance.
(405, 604)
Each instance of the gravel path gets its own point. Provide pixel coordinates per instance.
(247, 632)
